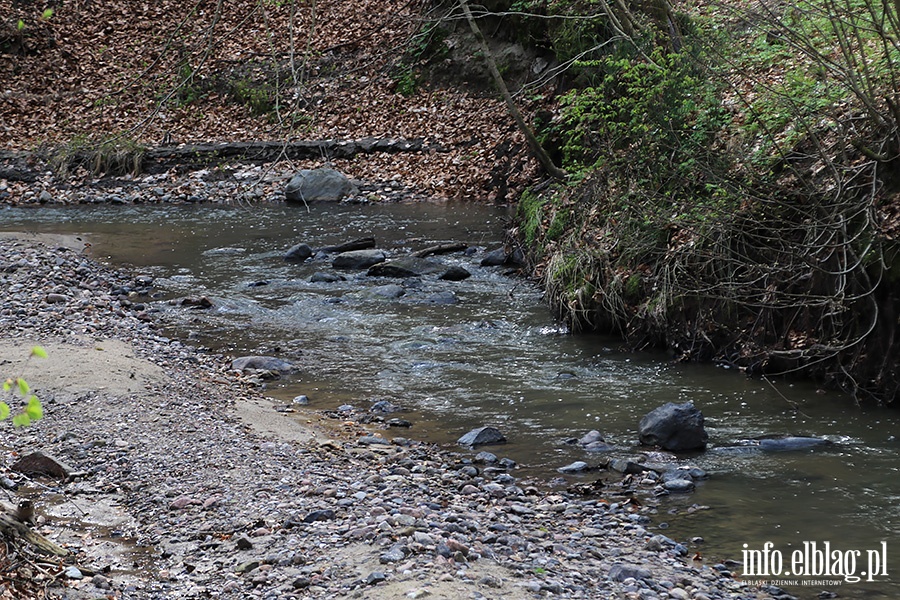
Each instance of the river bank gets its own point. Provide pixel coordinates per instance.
(193, 486)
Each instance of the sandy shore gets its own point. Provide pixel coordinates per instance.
(190, 485)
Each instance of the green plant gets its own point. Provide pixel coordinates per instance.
(33, 410)
(255, 96)
(406, 81)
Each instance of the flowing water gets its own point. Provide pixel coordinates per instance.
(498, 357)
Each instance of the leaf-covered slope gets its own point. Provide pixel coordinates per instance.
(241, 70)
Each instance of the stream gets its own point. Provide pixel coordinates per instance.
(498, 357)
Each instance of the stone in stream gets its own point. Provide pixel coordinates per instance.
(593, 441)
(319, 185)
(774, 444)
(455, 273)
(262, 363)
(390, 291)
(679, 485)
(674, 427)
(298, 253)
(485, 458)
(578, 466)
(500, 257)
(598, 447)
(787, 443)
(482, 436)
(358, 259)
(384, 407)
(446, 298)
(590, 437)
(409, 266)
(625, 467)
(322, 277)
(494, 258)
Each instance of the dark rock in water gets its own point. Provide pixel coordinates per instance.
(384, 406)
(358, 259)
(257, 283)
(321, 277)
(576, 467)
(590, 437)
(313, 185)
(41, 463)
(455, 273)
(625, 467)
(494, 258)
(262, 363)
(445, 298)
(696, 473)
(775, 444)
(390, 291)
(598, 447)
(398, 423)
(500, 257)
(301, 400)
(197, 302)
(679, 485)
(674, 427)
(620, 572)
(409, 266)
(298, 253)
(784, 444)
(482, 436)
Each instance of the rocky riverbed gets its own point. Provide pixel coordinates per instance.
(188, 484)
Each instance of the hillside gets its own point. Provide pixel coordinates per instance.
(131, 75)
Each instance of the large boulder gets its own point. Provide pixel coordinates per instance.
(312, 185)
(674, 427)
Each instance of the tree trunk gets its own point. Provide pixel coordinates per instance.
(533, 142)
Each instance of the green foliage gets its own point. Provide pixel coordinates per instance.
(47, 14)
(33, 410)
(530, 213)
(190, 88)
(256, 96)
(405, 81)
(654, 118)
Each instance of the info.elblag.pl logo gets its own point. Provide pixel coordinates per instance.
(816, 560)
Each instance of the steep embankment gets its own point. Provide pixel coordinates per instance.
(739, 194)
(114, 78)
